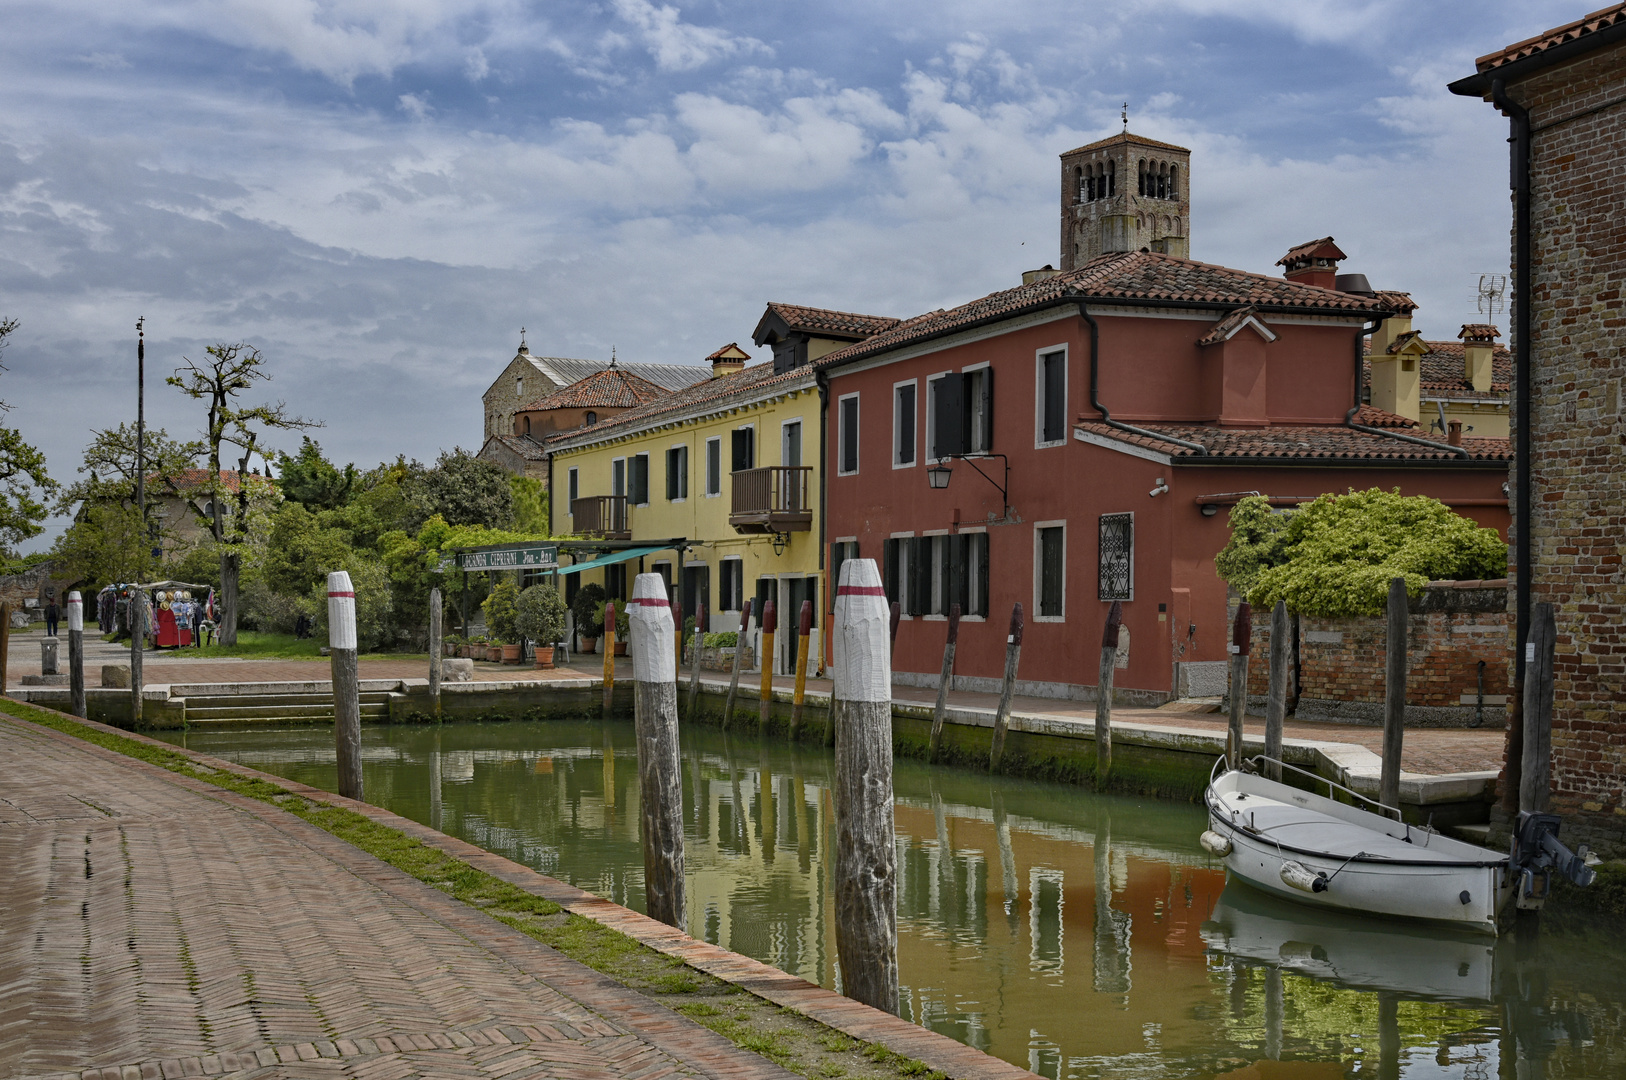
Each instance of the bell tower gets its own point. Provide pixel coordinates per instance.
(1124, 193)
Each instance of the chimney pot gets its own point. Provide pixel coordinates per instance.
(1453, 432)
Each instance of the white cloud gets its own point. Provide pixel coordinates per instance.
(414, 106)
(680, 46)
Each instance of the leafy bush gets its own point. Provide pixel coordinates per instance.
(588, 609)
(1336, 555)
(274, 613)
(540, 614)
(500, 611)
(727, 639)
(374, 602)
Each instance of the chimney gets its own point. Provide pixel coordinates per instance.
(1045, 271)
(727, 360)
(1453, 432)
(1478, 350)
(1314, 263)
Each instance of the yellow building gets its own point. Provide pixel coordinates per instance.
(714, 487)
(1441, 383)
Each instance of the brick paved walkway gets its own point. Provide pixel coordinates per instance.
(155, 926)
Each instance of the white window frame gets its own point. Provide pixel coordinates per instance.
(936, 599)
(904, 568)
(1038, 570)
(971, 569)
(971, 421)
(573, 490)
(669, 449)
(722, 573)
(931, 419)
(897, 414)
(717, 441)
(756, 450)
(1039, 441)
(626, 477)
(784, 429)
(841, 434)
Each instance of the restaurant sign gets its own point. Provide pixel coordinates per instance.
(510, 557)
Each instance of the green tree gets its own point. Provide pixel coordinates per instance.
(109, 467)
(539, 615)
(220, 380)
(530, 505)
(374, 601)
(310, 478)
(24, 483)
(106, 544)
(1257, 535)
(464, 490)
(301, 550)
(500, 611)
(1336, 555)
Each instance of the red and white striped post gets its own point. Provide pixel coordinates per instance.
(660, 786)
(341, 640)
(76, 655)
(866, 853)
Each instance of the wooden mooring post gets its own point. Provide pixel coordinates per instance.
(1007, 687)
(341, 639)
(740, 639)
(694, 669)
(435, 650)
(1241, 644)
(138, 649)
(804, 635)
(1103, 693)
(1281, 660)
(866, 851)
(76, 655)
(660, 780)
(5, 646)
(940, 710)
(1538, 710)
(677, 642)
(770, 626)
(609, 658)
(1394, 694)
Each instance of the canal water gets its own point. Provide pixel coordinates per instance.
(1080, 936)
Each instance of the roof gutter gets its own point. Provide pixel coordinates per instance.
(1095, 388)
(1483, 84)
(1349, 417)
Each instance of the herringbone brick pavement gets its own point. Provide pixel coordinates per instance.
(154, 926)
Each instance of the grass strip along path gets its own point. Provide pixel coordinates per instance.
(778, 1021)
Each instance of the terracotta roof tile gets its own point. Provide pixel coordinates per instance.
(1296, 443)
(745, 384)
(1323, 248)
(525, 447)
(1228, 326)
(1601, 19)
(195, 479)
(1138, 277)
(612, 388)
(1400, 303)
(1479, 332)
(812, 320)
(1372, 416)
(1126, 137)
(1403, 340)
(731, 347)
(1442, 373)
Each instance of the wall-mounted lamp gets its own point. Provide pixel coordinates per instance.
(780, 542)
(1161, 488)
(938, 476)
(1210, 509)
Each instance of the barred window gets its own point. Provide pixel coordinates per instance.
(1117, 557)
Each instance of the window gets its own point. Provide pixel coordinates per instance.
(677, 473)
(527, 425)
(847, 435)
(714, 466)
(1117, 557)
(638, 481)
(1050, 570)
(973, 583)
(903, 425)
(519, 386)
(897, 568)
(618, 476)
(731, 585)
(962, 413)
(745, 448)
(664, 569)
(790, 444)
(696, 588)
(575, 490)
(589, 418)
(840, 552)
(1052, 398)
(615, 581)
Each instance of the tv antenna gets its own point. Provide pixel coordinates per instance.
(1492, 295)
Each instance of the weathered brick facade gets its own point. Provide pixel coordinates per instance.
(1451, 629)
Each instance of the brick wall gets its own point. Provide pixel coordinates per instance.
(1578, 425)
(1452, 627)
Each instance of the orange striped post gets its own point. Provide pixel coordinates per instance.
(804, 632)
(609, 655)
(770, 623)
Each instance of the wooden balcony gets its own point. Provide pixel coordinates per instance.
(601, 515)
(772, 500)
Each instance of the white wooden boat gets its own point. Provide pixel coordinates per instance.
(1334, 855)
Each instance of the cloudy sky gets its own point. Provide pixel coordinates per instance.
(379, 193)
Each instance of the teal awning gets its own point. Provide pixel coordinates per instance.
(606, 560)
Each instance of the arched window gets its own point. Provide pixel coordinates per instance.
(591, 418)
(1174, 181)
(1140, 180)
(1162, 181)
(527, 425)
(1078, 176)
(1112, 178)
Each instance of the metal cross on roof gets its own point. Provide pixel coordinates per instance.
(1126, 118)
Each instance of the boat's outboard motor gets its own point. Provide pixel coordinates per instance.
(1537, 852)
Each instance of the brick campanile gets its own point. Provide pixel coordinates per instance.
(1123, 194)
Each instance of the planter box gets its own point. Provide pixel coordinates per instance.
(544, 656)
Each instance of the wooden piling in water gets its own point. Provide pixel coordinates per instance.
(734, 672)
(1394, 694)
(1241, 645)
(804, 633)
(660, 791)
(341, 639)
(694, 671)
(1007, 686)
(940, 710)
(866, 853)
(609, 658)
(1538, 710)
(1281, 653)
(1103, 693)
(770, 625)
(435, 649)
(76, 655)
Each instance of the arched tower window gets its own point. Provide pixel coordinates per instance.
(1112, 178)
(1140, 180)
(1174, 181)
(1078, 177)
(1162, 181)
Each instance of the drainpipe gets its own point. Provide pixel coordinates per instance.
(1095, 390)
(828, 599)
(1349, 417)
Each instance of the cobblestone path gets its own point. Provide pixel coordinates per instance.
(153, 926)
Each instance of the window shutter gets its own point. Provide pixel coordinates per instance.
(889, 570)
(920, 574)
(849, 435)
(1055, 397)
(979, 544)
(984, 440)
(1050, 572)
(948, 415)
(957, 582)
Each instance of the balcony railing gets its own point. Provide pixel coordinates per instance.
(772, 499)
(601, 515)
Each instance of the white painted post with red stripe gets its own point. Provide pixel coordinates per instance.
(660, 787)
(866, 853)
(76, 655)
(341, 639)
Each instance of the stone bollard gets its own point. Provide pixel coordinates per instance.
(459, 669)
(49, 651)
(115, 676)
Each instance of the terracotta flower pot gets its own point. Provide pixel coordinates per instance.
(463, 652)
(544, 656)
(589, 644)
(510, 653)
(621, 648)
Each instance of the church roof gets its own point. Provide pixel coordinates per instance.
(1126, 137)
(565, 371)
(611, 388)
(520, 445)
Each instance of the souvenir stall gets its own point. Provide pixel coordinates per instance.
(175, 612)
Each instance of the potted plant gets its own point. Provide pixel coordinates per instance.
(540, 616)
(587, 608)
(499, 609)
(623, 627)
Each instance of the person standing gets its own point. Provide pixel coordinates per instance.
(52, 615)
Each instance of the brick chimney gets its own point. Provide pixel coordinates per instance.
(1314, 263)
(1478, 350)
(727, 360)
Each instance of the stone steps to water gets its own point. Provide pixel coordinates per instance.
(217, 710)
